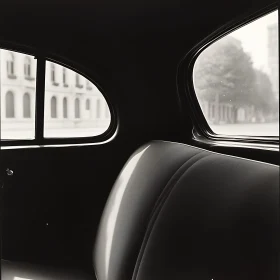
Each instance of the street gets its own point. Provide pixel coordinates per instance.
(252, 129)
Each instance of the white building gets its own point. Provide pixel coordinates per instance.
(73, 105)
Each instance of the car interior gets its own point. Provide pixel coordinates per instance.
(139, 140)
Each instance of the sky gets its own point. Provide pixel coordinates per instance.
(254, 38)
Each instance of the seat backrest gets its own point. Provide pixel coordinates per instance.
(180, 212)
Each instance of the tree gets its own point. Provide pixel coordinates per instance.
(225, 71)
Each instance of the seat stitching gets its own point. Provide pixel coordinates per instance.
(158, 209)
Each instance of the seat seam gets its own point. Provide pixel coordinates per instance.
(215, 153)
(168, 185)
(157, 209)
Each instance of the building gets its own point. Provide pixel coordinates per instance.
(273, 57)
(72, 103)
(217, 112)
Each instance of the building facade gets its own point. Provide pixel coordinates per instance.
(71, 101)
(217, 112)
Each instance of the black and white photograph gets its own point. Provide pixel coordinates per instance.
(139, 140)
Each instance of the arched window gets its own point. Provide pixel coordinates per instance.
(27, 67)
(26, 106)
(65, 111)
(87, 104)
(77, 108)
(10, 64)
(53, 107)
(10, 105)
(98, 108)
(53, 72)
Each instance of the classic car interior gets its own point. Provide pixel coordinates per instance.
(139, 140)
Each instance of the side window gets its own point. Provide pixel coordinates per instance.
(236, 80)
(18, 94)
(72, 105)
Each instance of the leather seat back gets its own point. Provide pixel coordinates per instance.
(180, 212)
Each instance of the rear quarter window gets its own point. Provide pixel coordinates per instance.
(236, 80)
(74, 106)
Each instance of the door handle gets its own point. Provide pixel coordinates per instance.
(9, 172)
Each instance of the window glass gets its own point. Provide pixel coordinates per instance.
(73, 105)
(236, 80)
(17, 93)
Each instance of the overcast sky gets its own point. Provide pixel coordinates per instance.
(254, 38)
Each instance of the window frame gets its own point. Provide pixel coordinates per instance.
(39, 141)
(202, 132)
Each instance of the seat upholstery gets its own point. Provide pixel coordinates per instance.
(180, 212)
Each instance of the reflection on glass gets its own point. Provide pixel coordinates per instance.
(236, 80)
